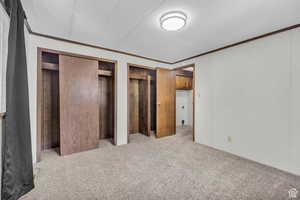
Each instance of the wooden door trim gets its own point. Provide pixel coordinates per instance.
(184, 66)
(149, 104)
(141, 66)
(194, 95)
(39, 105)
(39, 97)
(116, 66)
(65, 53)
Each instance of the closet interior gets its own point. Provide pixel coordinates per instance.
(106, 86)
(76, 102)
(141, 100)
(50, 102)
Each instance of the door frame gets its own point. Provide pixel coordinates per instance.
(194, 95)
(40, 93)
(128, 81)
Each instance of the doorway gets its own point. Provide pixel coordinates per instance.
(185, 96)
(76, 102)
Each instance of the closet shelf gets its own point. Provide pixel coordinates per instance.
(50, 66)
(104, 72)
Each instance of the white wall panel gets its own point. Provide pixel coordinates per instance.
(184, 98)
(295, 101)
(4, 28)
(247, 100)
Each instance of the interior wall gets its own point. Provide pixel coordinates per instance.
(247, 100)
(4, 28)
(184, 107)
(249, 93)
(121, 117)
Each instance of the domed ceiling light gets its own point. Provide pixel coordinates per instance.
(173, 21)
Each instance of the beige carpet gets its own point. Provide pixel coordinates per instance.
(169, 168)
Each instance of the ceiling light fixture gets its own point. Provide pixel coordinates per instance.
(173, 21)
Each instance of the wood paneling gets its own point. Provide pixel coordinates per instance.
(139, 100)
(107, 100)
(144, 106)
(50, 104)
(137, 73)
(134, 106)
(79, 104)
(48, 57)
(153, 104)
(106, 107)
(166, 94)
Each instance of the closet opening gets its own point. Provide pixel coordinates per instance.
(141, 101)
(107, 96)
(185, 101)
(76, 105)
(50, 138)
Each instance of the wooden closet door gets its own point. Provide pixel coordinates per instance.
(79, 104)
(166, 94)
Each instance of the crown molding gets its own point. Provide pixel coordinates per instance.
(162, 61)
(153, 59)
(239, 43)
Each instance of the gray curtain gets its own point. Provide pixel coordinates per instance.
(17, 171)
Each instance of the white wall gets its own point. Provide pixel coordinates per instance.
(4, 28)
(251, 93)
(184, 98)
(36, 41)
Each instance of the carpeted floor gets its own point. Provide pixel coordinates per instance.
(152, 169)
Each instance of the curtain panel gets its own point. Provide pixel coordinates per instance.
(17, 169)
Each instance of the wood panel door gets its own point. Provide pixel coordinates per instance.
(166, 94)
(79, 104)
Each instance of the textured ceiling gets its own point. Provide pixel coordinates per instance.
(133, 25)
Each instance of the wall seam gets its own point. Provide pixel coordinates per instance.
(290, 123)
